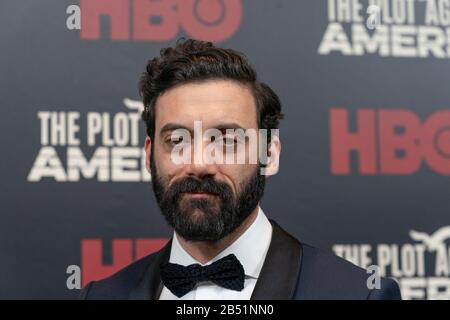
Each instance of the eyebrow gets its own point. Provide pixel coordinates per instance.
(229, 125)
(171, 126)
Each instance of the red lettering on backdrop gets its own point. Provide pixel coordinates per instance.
(149, 20)
(215, 20)
(144, 30)
(390, 141)
(343, 141)
(435, 141)
(116, 10)
(92, 265)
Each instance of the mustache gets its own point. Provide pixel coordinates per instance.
(207, 184)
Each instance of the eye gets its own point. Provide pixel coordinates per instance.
(226, 140)
(229, 140)
(174, 140)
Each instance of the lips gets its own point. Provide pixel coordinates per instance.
(199, 194)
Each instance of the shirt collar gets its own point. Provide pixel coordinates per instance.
(250, 248)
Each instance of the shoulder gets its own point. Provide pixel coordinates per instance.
(326, 276)
(119, 285)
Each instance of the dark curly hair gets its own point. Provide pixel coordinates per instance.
(192, 61)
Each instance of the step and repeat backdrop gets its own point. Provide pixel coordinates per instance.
(365, 165)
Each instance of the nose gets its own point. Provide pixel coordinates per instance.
(201, 165)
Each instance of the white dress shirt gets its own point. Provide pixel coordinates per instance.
(250, 248)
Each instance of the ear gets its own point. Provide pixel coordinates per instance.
(148, 150)
(273, 156)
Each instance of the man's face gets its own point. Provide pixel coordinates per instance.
(204, 201)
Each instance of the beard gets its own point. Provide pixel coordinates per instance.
(210, 218)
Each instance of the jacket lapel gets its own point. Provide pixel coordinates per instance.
(150, 285)
(277, 280)
(281, 269)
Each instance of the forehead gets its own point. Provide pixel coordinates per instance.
(213, 102)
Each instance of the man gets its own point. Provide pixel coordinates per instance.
(223, 246)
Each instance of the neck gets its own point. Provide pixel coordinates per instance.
(204, 251)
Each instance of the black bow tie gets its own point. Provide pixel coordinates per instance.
(226, 272)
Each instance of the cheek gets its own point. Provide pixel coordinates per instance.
(164, 164)
(237, 174)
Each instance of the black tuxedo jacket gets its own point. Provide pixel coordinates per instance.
(291, 270)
